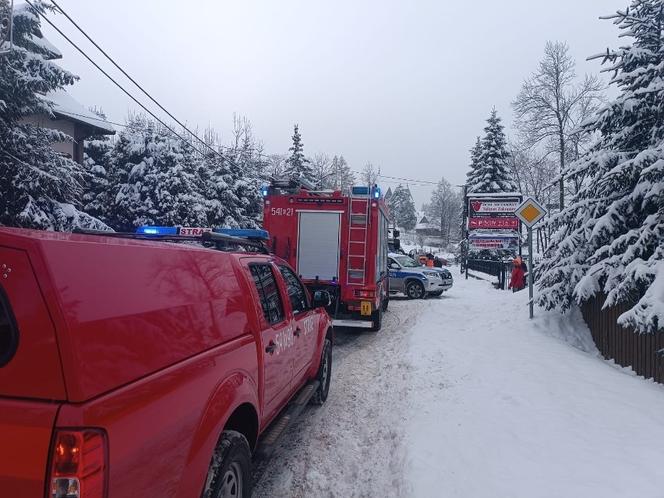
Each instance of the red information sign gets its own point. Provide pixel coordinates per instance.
(511, 223)
(493, 207)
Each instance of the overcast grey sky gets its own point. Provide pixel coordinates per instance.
(406, 85)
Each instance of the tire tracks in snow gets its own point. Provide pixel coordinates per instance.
(353, 445)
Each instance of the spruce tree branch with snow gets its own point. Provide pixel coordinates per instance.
(42, 188)
(609, 239)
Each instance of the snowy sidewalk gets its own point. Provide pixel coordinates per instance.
(506, 407)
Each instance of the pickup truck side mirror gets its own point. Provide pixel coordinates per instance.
(322, 299)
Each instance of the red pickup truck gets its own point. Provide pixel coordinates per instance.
(143, 368)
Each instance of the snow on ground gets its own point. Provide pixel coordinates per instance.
(463, 396)
(354, 444)
(515, 408)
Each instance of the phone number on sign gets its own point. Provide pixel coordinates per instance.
(282, 211)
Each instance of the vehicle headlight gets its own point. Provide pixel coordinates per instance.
(430, 274)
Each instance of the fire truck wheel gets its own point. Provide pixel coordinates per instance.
(415, 290)
(377, 318)
(385, 303)
(324, 374)
(231, 467)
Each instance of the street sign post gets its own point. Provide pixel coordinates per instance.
(530, 212)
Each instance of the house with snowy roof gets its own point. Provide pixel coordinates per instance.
(67, 115)
(424, 227)
(71, 118)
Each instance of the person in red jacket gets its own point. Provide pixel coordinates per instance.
(518, 278)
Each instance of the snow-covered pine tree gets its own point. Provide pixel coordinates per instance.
(246, 190)
(229, 180)
(610, 239)
(223, 207)
(475, 161)
(297, 165)
(492, 173)
(244, 168)
(40, 187)
(154, 179)
(402, 208)
(97, 190)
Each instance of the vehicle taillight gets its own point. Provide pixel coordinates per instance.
(78, 464)
(365, 293)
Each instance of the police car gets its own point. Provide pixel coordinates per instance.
(407, 276)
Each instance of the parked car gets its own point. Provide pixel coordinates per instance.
(133, 367)
(414, 280)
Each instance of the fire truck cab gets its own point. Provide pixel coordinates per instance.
(336, 242)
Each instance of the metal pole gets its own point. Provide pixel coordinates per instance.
(531, 269)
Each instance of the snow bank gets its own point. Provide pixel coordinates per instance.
(505, 407)
(570, 328)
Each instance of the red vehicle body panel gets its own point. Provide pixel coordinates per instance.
(155, 343)
(280, 219)
(35, 371)
(25, 433)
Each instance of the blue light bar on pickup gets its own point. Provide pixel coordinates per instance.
(152, 230)
(246, 233)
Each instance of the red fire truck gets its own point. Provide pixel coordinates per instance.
(336, 242)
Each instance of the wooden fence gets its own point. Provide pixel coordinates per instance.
(642, 352)
(498, 269)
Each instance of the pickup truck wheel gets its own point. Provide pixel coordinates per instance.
(415, 290)
(232, 476)
(324, 374)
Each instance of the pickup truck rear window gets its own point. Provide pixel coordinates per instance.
(8, 331)
(273, 309)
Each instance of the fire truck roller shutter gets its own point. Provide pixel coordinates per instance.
(318, 245)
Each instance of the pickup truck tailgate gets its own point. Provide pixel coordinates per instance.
(25, 433)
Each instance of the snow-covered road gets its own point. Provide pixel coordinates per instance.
(465, 397)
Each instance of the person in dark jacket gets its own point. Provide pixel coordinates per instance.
(518, 278)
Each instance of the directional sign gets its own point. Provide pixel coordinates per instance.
(530, 212)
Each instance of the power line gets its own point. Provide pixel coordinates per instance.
(192, 134)
(388, 179)
(411, 180)
(120, 86)
(127, 75)
(83, 32)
